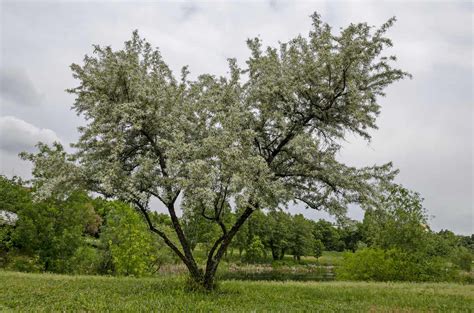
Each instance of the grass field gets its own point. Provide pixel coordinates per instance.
(48, 292)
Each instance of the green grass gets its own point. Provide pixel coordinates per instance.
(331, 258)
(48, 292)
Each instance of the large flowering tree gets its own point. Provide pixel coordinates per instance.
(265, 136)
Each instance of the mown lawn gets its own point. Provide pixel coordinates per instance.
(47, 292)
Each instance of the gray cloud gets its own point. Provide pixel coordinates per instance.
(189, 9)
(16, 88)
(274, 4)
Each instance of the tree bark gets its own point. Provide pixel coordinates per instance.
(182, 239)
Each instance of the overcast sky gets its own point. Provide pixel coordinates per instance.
(425, 126)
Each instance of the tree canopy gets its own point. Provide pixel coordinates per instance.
(265, 136)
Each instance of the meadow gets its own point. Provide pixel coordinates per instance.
(52, 292)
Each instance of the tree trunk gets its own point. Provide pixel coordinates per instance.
(282, 254)
(275, 255)
(181, 237)
(215, 254)
(219, 248)
(187, 257)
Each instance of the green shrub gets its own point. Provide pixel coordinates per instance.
(130, 248)
(466, 278)
(463, 259)
(372, 264)
(5, 243)
(365, 264)
(53, 230)
(318, 248)
(255, 251)
(86, 261)
(24, 263)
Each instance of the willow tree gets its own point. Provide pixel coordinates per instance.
(263, 137)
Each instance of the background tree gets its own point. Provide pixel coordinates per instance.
(318, 248)
(13, 198)
(467, 242)
(241, 240)
(199, 230)
(301, 238)
(258, 226)
(401, 221)
(14, 195)
(53, 230)
(255, 251)
(328, 234)
(130, 248)
(401, 245)
(260, 142)
(278, 237)
(350, 235)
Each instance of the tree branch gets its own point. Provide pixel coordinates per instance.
(160, 233)
(158, 153)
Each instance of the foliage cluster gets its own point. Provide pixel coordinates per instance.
(78, 234)
(375, 264)
(401, 247)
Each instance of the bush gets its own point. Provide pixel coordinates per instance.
(86, 261)
(24, 263)
(5, 243)
(463, 259)
(365, 264)
(372, 264)
(53, 230)
(318, 248)
(255, 251)
(130, 248)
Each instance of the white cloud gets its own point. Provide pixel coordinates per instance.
(16, 135)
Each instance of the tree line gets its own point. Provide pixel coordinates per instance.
(91, 235)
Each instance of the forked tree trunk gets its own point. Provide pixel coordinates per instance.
(219, 249)
(206, 279)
